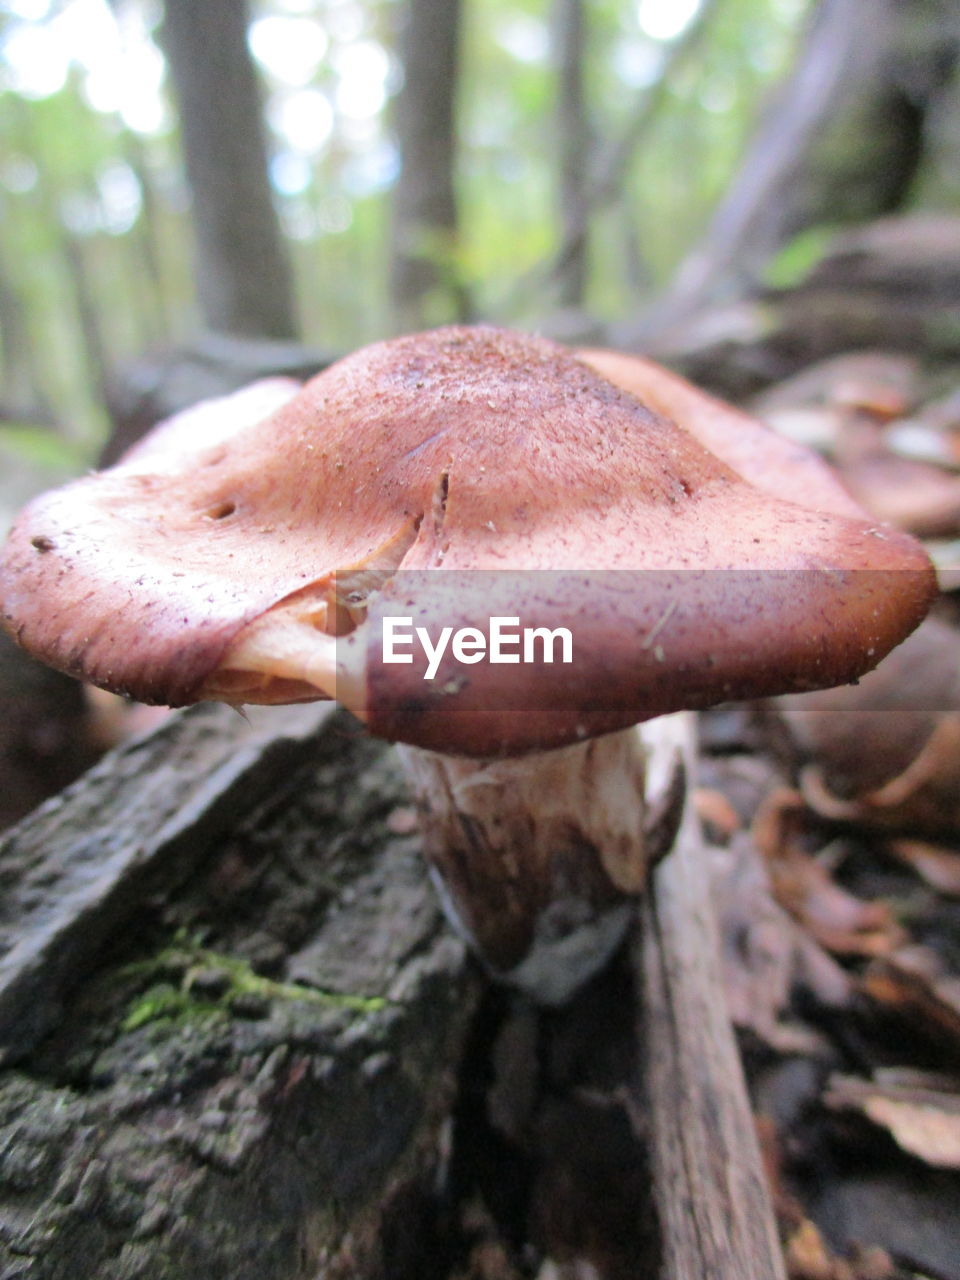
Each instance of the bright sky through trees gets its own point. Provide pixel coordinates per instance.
(666, 19)
(123, 69)
(90, 161)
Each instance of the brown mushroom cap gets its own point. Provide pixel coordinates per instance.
(765, 459)
(222, 566)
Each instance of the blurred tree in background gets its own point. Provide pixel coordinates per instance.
(243, 271)
(336, 170)
(425, 278)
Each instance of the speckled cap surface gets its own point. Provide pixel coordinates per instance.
(471, 461)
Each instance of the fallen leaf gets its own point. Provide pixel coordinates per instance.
(912, 984)
(765, 955)
(716, 813)
(804, 887)
(884, 382)
(916, 496)
(914, 438)
(923, 1122)
(884, 752)
(924, 797)
(921, 1130)
(939, 867)
(808, 1258)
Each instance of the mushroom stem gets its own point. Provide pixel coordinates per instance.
(538, 860)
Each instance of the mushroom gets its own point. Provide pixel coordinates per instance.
(485, 486)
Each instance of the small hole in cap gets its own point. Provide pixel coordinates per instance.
(221, 511)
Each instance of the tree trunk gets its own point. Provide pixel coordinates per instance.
(573, 149)
(839, 144)
(424, 281)
(23, 395)
(243, 273)
(147, 245)
(601, 184)
(94, 341)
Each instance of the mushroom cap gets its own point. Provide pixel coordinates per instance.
(761, 456)
(222, 560)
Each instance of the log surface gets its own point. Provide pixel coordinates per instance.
(133, 826)
(713, 1201)
(199, 1108)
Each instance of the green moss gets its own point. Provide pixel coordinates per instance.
(165, 1002)
(175, 1000)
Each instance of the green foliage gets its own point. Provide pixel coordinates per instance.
(797, 259)
(41, 448)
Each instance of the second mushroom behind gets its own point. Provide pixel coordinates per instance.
(391, 535)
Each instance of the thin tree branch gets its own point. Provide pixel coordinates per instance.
(616, 158)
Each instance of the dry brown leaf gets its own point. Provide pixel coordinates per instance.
(921, 1130)
(885, 752)
(925, 796)
(938, 866)
(912, 984)
(716, 812)
(870, 1262)
(765, 954)
(808, 1258)
(916, 496)
(881, 382)
(805, 888)
(839, 921)
(779, 821)
(923, 1122)
(906, 491)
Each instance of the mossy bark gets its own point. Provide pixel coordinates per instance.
(240, 1130)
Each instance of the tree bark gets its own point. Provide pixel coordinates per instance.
(424, 283)
(243, 273)
(716, 1216)
(236, 1014)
